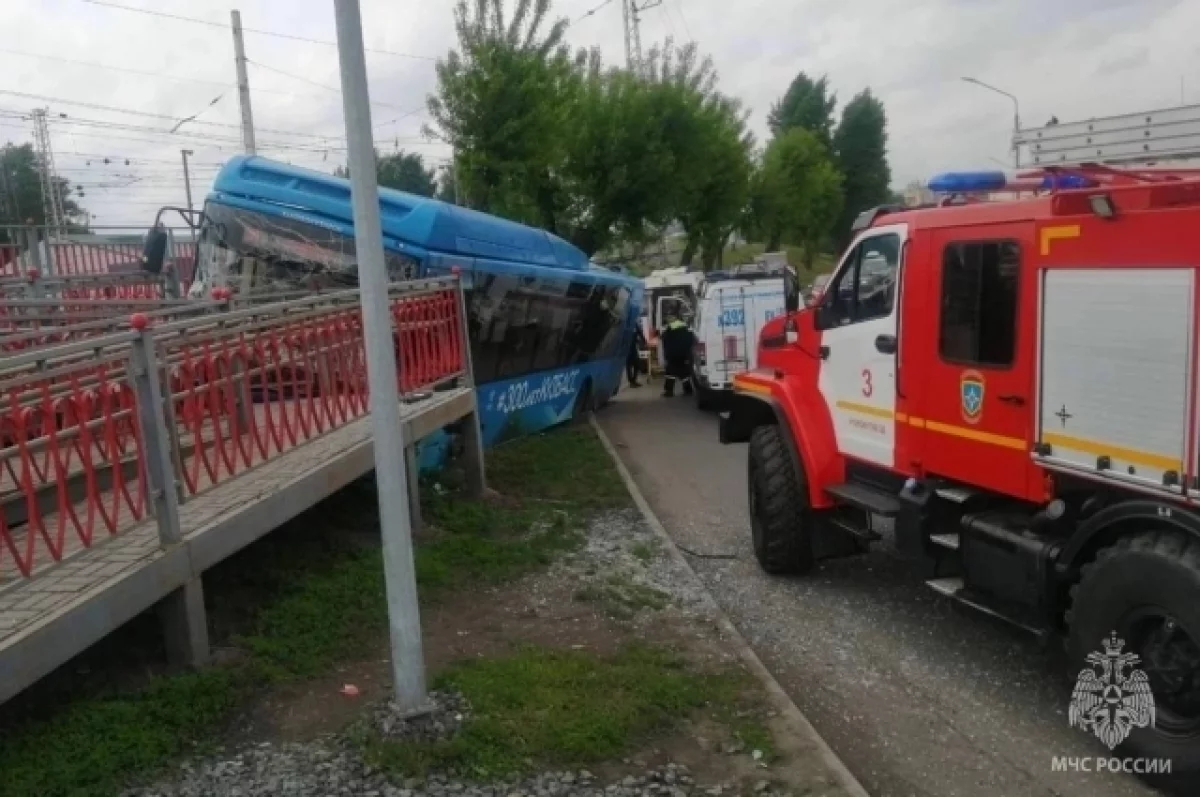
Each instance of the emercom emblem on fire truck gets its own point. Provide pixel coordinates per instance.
(971, 388)
(1107, 701)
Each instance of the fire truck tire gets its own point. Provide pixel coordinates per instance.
(1146, 589)
(780, 517)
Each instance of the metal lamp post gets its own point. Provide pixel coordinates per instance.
(408, 665)
(1016, 116)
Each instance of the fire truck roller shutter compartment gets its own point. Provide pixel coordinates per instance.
(1116, 366)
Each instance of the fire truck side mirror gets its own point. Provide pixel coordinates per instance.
(154, 252)
(825, 316)
(791, 292)
(791, 301)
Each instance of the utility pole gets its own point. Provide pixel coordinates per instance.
(239, 55)
(187, 176)
(52, 201)
(631, 10)
(404, 622)
(187, 187)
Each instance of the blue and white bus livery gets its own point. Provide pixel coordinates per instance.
(549, 331)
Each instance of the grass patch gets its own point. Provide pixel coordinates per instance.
(622, 598)
(568, 466)
(643, 552)
(477, 543)
(91, 747)
(541, 708)
(297, 602)
(754, 735)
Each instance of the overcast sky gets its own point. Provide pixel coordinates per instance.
(1074, 59)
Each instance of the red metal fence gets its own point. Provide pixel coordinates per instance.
(108, 251)
(239, 388)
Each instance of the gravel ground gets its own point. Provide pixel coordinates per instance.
(613, 544)
(326, 769)
(920, 699)
(621, 551)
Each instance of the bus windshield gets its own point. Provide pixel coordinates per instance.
(251, 250)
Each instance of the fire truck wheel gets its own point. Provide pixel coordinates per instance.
(780, 519)
(1146, 589)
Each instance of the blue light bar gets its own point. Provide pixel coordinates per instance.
(1067, 181)
(986, 182)
(968, 182)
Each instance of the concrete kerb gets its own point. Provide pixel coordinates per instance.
(778, 697)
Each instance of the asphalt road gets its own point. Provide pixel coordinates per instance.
(918, 697)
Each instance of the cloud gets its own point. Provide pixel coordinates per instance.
(1072, 58)
(1134, 59)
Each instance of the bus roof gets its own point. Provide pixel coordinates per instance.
(425, 222)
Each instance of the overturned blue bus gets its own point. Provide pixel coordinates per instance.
(549, 330)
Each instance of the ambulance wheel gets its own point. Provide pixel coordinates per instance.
(780, 516)
(1146, 589)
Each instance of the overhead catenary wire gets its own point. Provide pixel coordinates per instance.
(192, 118)
(670, 22)
(257, 31)
(331, 89)
(592, 12)
(215, 140)
(152, 115)
(683, 18)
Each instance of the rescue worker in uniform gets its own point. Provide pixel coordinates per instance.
(633, 361)
(677, 343)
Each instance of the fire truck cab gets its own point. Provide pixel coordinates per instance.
(1008, 390)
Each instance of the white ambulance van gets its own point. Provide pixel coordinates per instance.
(668, 290)
(733, 307)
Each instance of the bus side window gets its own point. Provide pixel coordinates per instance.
(552, 317)
(518, 348)
(483, 302)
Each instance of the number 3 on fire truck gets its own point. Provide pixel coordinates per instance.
(867, 388)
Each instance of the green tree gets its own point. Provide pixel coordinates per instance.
(861, 145)
(799, 192)
(619, 166)
(445, 185)
(713, 206)
(707, 150)
(598, 156)
(809, 105)
(21, 190)
(648, 149)
(405, 171)
(502, 102)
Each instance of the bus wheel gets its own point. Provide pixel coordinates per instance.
(780, 517)
(1146, 590)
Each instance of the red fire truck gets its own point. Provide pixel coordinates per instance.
(1013, 399)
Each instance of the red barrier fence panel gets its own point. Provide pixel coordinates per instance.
(248, 394)
(428, 329)
(241, 388)
(71, 464)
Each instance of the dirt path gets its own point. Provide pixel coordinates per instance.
(918, 698)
